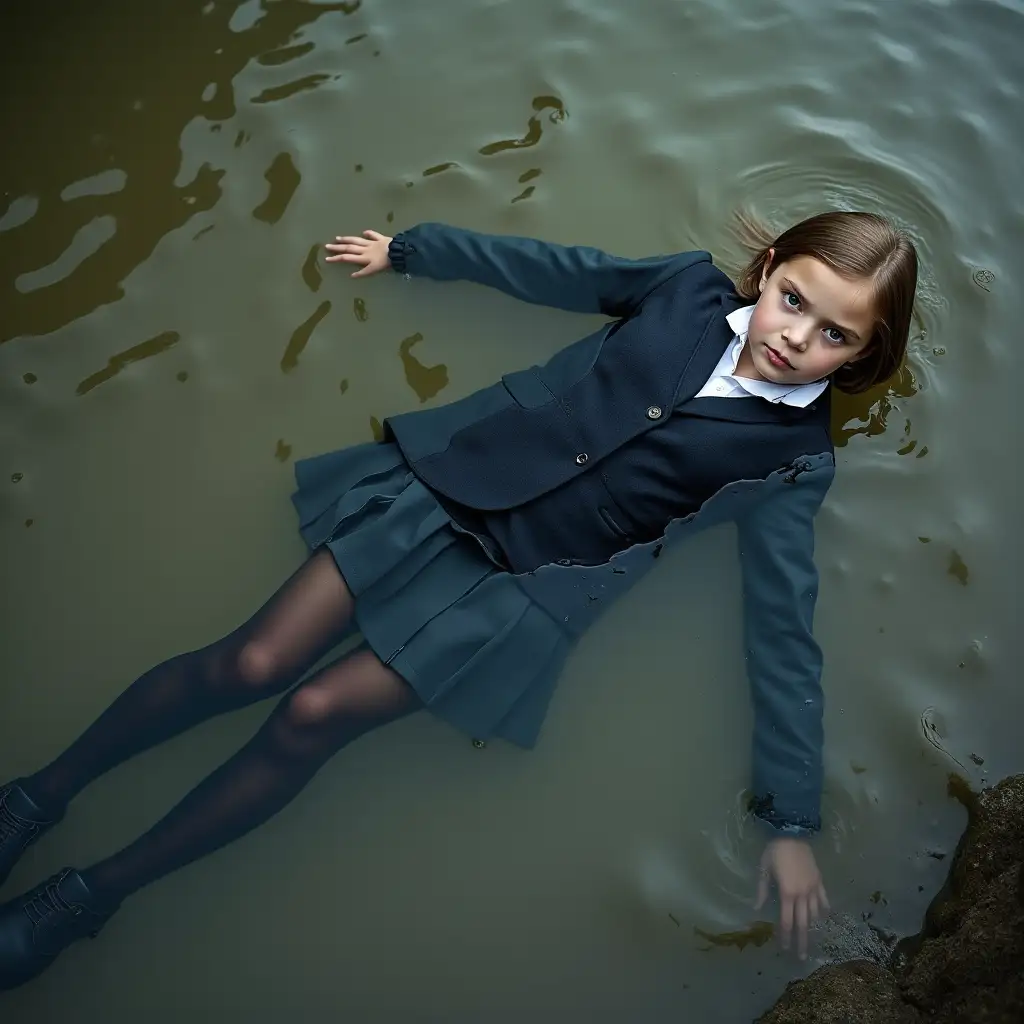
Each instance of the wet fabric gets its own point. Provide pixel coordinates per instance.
(432, 600)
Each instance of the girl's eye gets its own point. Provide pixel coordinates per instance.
(835, 335)
(795, 304)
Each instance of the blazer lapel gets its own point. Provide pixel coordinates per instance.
(709, 350)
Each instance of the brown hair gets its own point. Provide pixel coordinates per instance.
(857, 246)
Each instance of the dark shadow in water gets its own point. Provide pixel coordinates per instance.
(118, 361)
(868, 413)
(300, 337)
(440, 168)
(283, 178)
(54, 50)
(533, 126)
(426, 381)
(757, 934)
(311, 269)
(282, 92)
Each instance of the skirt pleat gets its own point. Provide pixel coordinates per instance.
(431, 600)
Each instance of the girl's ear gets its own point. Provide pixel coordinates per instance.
(766, 269)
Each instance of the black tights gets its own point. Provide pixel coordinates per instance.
(266, 656)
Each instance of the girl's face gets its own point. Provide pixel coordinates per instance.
(808, 322)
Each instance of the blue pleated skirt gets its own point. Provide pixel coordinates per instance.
(432, 599)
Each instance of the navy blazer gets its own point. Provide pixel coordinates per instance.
(539, 427)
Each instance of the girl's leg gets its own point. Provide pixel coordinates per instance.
(338, 704)
(269, 653)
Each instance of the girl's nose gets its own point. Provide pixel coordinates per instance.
(798, 337)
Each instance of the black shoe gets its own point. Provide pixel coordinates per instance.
(37, 927)
(22, 822)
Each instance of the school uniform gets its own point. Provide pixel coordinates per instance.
(482, 538)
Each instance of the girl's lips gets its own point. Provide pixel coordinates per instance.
(776, 359)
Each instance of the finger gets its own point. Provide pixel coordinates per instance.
(376, 236)
(801, 927)
(355, 240)
(823, 898)
(814, 907)
(365, 272)
(346, 247)
(762, 890)
(786, 921)
(347, 257)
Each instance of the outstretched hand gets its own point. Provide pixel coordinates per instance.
(370, 251)
(802, 896)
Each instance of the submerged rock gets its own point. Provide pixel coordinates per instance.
(858, 992)
(966, 966)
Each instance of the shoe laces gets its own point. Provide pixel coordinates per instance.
(11, 826)
(47, 901)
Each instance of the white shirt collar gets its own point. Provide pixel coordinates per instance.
(799, 396)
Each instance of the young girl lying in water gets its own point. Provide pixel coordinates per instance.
(480, 540)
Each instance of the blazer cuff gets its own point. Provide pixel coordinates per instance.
(398, 250)
(776, 824)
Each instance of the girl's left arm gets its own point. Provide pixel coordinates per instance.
(576, 278)
(780, 587)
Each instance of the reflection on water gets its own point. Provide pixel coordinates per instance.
(171, 171)
(128, 123)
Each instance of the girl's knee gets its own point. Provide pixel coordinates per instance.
(344, 701)
(310, 708)
(254, 666)
(305, 725)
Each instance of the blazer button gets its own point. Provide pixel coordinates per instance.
(581, 458)
(654, 412)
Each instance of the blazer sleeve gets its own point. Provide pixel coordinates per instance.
(784, 662)
(576, 278)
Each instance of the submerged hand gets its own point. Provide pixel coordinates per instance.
(801, 891)
(370, 251)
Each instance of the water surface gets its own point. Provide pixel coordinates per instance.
(170, 342)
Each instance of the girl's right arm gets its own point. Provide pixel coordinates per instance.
(576, 278)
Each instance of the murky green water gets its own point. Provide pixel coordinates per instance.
(169, 344)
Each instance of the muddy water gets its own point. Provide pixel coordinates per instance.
(170, 343)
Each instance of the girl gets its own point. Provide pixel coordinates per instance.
(480, 539)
